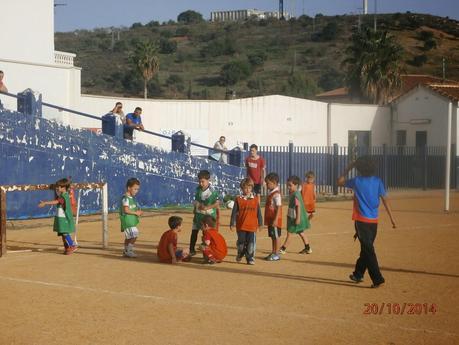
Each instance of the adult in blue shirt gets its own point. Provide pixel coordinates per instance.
(368, 191)
(133, 121)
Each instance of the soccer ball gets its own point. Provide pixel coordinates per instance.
(229, 204)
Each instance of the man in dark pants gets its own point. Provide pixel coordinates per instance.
(368, 190)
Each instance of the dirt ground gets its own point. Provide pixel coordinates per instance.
(98, 297)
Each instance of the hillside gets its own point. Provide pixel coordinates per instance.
(299, 58)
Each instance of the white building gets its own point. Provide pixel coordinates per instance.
(237, 15)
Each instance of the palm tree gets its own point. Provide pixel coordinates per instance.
(374, 65)
(146, 62)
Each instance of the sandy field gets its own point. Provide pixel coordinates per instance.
(97, 296)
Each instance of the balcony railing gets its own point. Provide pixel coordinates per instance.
(63, 58)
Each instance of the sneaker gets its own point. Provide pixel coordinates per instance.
(283, 250)
(210, 262)
(306, 251)
(192, 253)
(238, 258)
(129, 254)
(69, 250)
(355, 279)
(251, 262)
(274, 257)
(375, 286)
(268, 258)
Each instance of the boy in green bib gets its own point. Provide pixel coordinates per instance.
(297, 217)
(129, 216)
(64, 224)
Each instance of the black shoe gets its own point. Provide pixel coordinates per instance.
(192, 252)
(355, 279)
(375, 286)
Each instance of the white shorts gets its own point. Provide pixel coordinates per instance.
(131, 233)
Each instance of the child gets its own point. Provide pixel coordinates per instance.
(297, 217)
(309, 194)
(246, 214)
(129, 217)
(214, 249)
(63, 221)
(368, 189)
(167, 247)
(273, 214)
(205, 203)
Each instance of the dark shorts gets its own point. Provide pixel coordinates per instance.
(274, 232)
(257, 189)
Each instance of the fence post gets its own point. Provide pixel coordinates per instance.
(335, 169)
(290, 158)
(424, 167)
(385, 167)
(104, 193)
(2, 222)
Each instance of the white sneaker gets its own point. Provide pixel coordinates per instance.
(129, 254)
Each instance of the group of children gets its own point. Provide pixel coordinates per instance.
(246, 218)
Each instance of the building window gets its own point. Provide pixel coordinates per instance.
(401, 138)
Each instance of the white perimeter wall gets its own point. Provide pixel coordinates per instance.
(360, 117)
(423, 103)
(269, 120)
(27, 32)
(58, 84)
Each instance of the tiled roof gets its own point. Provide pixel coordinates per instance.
(450, 91)
(341, 92)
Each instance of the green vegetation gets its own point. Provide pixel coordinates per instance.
(199, 59)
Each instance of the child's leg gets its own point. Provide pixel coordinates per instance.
(241, 243)
(304, 238)
(193, 240)
(367, 235)
(250, 251)
(286, 242)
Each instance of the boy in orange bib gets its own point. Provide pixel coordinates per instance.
(308, 192)
(273, 214)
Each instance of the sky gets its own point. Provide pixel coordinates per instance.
(90, 14)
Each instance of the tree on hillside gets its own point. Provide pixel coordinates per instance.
(190, 17)
(146, 62)
(374, 65)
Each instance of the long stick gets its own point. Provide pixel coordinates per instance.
(77, 215)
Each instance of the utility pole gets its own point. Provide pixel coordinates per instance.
(444, 69)
(281, 9)
(376, 20)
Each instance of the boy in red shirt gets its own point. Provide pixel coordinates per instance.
(214, 249)
(273, 214)
(256, 169)
(167, 247)
(246, 215)
(308, 192)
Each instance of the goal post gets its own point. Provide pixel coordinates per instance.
(101, 186)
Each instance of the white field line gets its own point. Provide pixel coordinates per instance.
(166, 300)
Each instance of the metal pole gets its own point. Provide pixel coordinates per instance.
(448, 157)
(2, 223)
(104, 192)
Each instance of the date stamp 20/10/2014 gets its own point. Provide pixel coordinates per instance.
(404, 308)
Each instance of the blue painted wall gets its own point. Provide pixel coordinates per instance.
(35, 150)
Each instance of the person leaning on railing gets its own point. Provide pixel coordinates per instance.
(2, 84)
(133, 121)
(220, 145)
(118, 111)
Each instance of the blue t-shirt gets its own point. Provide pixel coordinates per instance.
(136, 120)
(367, 191)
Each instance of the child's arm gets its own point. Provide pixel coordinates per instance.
(50, 202)
(170, 249)
(127, 210)
(234, 213)
(342, 178)
(389, 210)
(216, 204)
(276, 215)
(298, 214)
(260, 218)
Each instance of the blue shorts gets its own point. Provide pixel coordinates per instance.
(274, 232)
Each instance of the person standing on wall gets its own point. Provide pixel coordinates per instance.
(256, 169)
(2, 85)
(133, 121)
(220, 145)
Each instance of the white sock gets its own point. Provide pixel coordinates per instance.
(130, 247)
